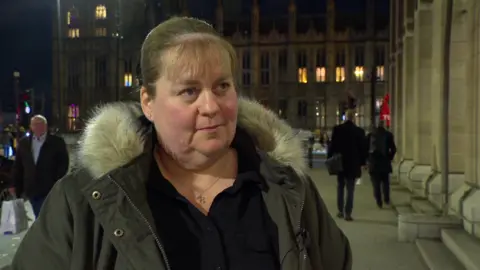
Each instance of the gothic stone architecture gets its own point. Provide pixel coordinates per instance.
(302, 66)
(419, 73)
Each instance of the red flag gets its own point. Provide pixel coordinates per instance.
(385, 110)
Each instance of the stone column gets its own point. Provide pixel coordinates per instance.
(398, 115)
(397, 83)
(407, 93)
(422, 124)
(471, 203)
(459, 83)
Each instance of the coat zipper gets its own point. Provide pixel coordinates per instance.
(299, 227)
(150, 227)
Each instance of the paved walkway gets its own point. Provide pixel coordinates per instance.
(373, 233)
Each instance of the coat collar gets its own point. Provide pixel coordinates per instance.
(116, 147)
(115, 136)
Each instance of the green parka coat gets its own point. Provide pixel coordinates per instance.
(97, 217)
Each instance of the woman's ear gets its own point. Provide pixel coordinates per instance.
(146, 103)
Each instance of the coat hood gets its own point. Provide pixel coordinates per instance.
(114, 136)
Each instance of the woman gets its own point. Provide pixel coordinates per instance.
(193, 178)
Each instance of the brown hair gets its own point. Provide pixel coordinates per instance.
(168, 35)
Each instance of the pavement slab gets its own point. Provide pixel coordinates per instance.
(373, 233)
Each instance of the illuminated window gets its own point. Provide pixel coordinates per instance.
(73, 117)
(321, 63)
(101, 32)
(128, 79)
(321, 74)
(359, 73)
(101, 12)
(302, 66)
(74, 33)
(380, 73)
(72, 17)
(302, 75)
(340, 74)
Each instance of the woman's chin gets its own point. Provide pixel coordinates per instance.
(212, 147)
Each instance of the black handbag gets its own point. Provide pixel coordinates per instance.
(334, 164)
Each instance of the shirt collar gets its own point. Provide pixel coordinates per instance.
(40, 138)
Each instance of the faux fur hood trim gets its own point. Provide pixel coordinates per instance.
(113, 137)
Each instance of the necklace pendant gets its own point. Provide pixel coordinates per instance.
(202, 199)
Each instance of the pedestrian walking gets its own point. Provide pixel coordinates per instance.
(381, 151)
(40, 161)
(348, 140)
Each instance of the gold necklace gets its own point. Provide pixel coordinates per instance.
(201, 198)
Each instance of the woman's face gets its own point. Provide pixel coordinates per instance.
(195, 107)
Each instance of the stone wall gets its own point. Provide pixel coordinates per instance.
(418, 102)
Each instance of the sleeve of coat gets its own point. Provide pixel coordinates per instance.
(63, 159)
(334, 247)
(17, 171)
(332, 147)
(48, 243)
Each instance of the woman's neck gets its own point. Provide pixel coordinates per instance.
(223, 166)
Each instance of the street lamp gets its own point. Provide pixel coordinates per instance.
(118, 36)
(59, 59)
(16, 78)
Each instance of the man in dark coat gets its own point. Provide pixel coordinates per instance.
(381, 151)
(40, 161)
(349, 141)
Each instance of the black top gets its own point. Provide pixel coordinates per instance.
(237, 233)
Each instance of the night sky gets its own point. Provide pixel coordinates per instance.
(26, 31)
(25, 28)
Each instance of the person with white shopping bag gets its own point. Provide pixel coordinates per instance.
(41, 160)
(14, 216)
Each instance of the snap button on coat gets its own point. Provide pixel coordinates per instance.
(118, 233)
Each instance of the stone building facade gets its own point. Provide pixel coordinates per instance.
(301, 66)
(418, 77)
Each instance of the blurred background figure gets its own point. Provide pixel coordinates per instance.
(381, 150)
(41, 159)
(348, 140)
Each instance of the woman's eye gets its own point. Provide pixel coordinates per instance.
(189, 92)
(224, 86)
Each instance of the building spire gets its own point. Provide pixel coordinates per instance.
(184, 8)
(219, 16)
(255, 27)
(292, 19)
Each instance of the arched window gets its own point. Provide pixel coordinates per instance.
(72, 16)
(73, 117)
(100, 12)
(73, 24)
